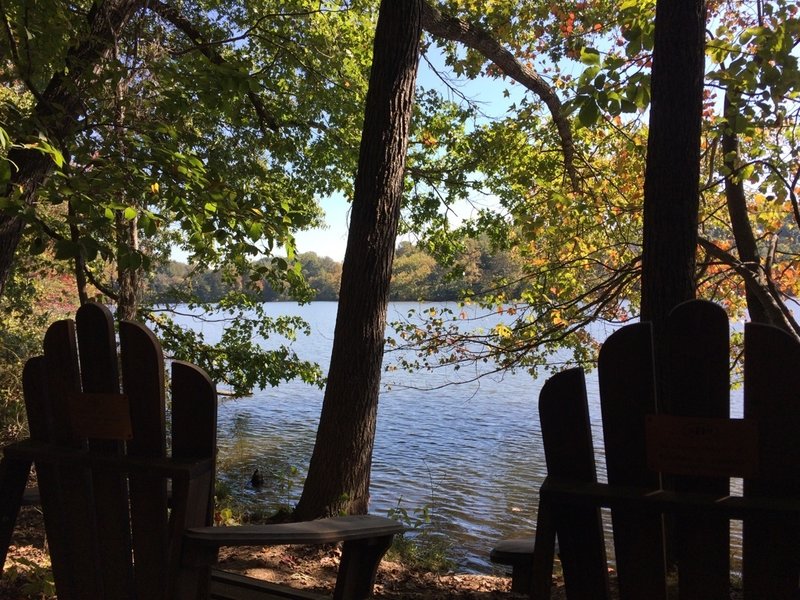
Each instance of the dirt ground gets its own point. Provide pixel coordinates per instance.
(27, 577)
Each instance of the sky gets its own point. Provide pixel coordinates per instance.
(331, 240)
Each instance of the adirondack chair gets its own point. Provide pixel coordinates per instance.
(695, 445)
(126, 519)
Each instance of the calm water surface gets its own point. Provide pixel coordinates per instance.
(471, 452)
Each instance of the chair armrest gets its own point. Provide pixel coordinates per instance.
(664, 501)
(322, 531)
(366, 538)
(48, 453)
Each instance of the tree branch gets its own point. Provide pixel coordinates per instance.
(472, 36)
(171, 14)
(101, 287)
(776, 312)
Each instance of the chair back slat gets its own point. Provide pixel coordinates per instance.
(34, 385)
(194, 431)
(627, 396)
(75, 482)
(771, 545)
(63, 380)
(567, 437)
(698, 385)
(34, 389)
(194, 416)
(194, 412)
(143, 382)
(100, 375)
(97, 348)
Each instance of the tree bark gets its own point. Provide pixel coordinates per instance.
(57, 114)
(339, 472)
(79, 263)
(740, 221)
(672, 174)
(129, 277)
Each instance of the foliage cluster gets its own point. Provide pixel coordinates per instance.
(29, 306)
(579, 239)
(216, 127)
(178, 282)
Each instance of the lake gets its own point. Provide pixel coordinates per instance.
(470, 453)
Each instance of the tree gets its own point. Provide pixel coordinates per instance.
(58, 110)
(323, 275)
(583, 249)
(762, 65)
(175, 129)
(339, 472)
(413, 274)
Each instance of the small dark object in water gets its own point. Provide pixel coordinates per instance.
(257, 480)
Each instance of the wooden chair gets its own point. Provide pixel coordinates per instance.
(126, 518)
(694, 446)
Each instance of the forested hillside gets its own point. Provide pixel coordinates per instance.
(416, 276)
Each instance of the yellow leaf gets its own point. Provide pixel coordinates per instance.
(502, 330)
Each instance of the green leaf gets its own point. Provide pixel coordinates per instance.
(590, 56)
(5, 140)
(65, 249)
(130, 260)
(89, 248)
(589, 113)
(38, 245)
(255, 231)
(129, 214)
(280, 263)
(642, 97)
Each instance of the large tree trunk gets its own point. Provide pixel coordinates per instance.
(672, 174)
(56, 115)
(672, 180)
(339, 472)
(129, 277)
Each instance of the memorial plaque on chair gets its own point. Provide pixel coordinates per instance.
(702, 447)
(100, 416)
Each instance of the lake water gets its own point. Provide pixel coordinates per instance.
(471, 453)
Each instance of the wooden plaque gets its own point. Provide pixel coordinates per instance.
(702, 447)
(100, 416)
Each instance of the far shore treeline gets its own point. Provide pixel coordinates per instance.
(416, 276)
